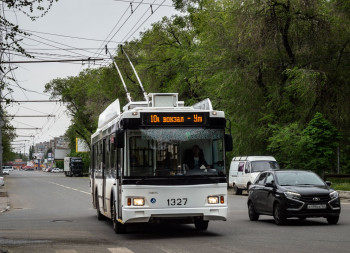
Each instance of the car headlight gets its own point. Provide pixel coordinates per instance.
(292, 195)
(334, 195)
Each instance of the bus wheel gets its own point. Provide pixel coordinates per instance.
(99, 214)
(201, 225)
(118, 227)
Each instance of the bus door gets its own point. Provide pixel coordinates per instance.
(92, 172)
(104, 174)
(119, 148)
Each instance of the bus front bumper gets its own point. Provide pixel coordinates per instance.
(147, 215)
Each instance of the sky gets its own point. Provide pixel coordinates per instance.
(72, 29)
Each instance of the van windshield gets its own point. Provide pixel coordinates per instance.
(258, 166)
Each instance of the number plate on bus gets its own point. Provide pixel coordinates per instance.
(177, 202)
(323, 206)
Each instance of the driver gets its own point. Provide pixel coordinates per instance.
(196, 158)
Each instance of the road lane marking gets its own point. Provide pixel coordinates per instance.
(70, 188)
(120, 250)
(66, 251)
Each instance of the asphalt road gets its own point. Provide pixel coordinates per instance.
(53, 213)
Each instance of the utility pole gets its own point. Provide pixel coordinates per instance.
(1, 87)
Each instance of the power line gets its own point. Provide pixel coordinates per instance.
(100, 49)
(33, 101)
(47, 61)
(29, 116)
(125, 1)
(22, 128)
(145, 20)
(67, 36)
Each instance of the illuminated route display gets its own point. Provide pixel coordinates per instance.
(174, 119)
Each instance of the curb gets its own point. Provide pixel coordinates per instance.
(4, 200)
(344, 194)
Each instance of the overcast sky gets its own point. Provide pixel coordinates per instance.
(52, 39)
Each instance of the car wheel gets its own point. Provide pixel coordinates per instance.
(238, 191)
(118, 227)
(253, 216)
(201, 225)
(332, 220)
(279, 215)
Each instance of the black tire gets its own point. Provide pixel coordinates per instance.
(99, 214)
(253, 215)
(201, 225)
(279, 215)
(332, 220)
(237, 190)
(248, 185)
(118, 227)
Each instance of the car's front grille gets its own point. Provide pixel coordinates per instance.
(316, 199)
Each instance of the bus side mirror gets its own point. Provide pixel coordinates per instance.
(228, 142)
(119, 139)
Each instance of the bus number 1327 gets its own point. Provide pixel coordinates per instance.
(177, 202)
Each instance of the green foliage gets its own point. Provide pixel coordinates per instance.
(311, 148)
(286, 143)
(60, 164)
(323, 139)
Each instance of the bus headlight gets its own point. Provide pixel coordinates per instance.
(138, 201)
(213, 200)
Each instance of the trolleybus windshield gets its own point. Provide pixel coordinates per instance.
(165, 152)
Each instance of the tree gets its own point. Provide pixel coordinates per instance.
(323, 139)
(286, 143)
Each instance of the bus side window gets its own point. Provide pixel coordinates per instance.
(119, 162)
(92, 168)
(113, 153)
(108, 144)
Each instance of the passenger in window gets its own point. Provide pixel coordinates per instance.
(167, 161)
(133, 159)
(195, 160)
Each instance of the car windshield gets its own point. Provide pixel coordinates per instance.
(168, 152)
(258, 166)
(298, 178)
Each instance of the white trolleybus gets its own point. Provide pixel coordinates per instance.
(160, 160)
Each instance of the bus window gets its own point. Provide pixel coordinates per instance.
(107, 150)
(141, 157)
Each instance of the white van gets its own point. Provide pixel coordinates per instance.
(244, 170)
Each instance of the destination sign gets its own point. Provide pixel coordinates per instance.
(184, 118)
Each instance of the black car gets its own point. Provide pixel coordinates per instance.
(292, 193)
